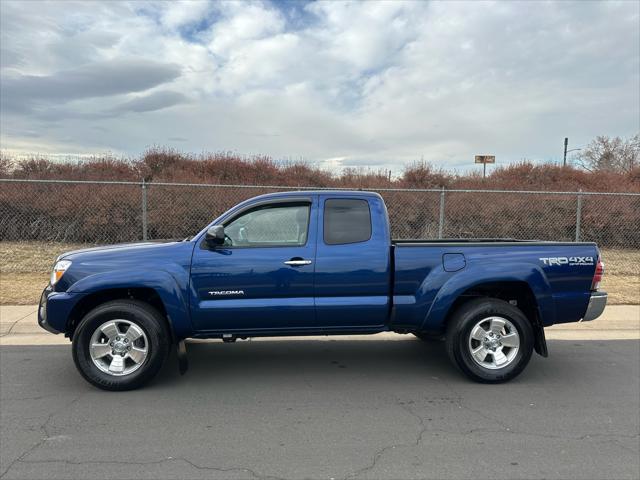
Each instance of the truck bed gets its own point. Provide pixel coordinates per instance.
(432, 272)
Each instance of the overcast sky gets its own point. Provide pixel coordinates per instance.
(342, 84)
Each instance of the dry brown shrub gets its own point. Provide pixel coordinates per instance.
(113, 213)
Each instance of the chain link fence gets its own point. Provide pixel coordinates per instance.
(111, 212)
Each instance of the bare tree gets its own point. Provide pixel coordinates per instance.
(6, 165)
(610, 154)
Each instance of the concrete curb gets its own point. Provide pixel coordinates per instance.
(19, 326)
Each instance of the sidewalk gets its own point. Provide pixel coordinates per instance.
(19, 326)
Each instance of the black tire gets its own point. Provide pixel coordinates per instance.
(459, 329)
(148, 319)
(425, 337)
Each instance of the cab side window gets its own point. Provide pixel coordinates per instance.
(269, 226)
(346, 221)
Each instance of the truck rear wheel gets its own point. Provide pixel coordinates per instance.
(120, 345)
(489, 340)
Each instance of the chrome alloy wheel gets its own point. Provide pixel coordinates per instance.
(119, 347)
(494, 343)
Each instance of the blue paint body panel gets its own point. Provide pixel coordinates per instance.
(353, 281)
(364, 287)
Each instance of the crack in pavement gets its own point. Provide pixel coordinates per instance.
(378, 455)
(415, 436)
(532, 434)
(458, 399)
(506, 430)
(18, 399)
(44, 430)
(510, 430)
(16, 322)
(250, 471)
(615, 442)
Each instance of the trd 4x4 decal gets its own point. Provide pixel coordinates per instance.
(567, 260)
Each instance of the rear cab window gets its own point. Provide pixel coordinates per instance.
(346, 221)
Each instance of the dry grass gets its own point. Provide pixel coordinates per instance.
(621, 276)
(32, 257)
(21, 288)
(25, 268)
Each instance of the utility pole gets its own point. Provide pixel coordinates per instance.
(566, 144)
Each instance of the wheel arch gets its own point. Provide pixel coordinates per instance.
(163, 289)
(92, 300)
(516, 292)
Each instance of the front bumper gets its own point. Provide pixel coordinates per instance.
(597, 302)
(42, 311)
(55, 308)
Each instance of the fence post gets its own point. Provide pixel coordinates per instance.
(441, 221)
(578, 215)
(144, 210)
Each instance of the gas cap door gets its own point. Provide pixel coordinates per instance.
(452, 262)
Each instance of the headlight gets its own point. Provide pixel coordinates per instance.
(59, 268)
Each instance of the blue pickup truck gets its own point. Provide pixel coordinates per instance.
(316, 263)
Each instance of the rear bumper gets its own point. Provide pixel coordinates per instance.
(597, 302)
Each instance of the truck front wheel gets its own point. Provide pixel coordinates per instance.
(120, 345)
(489, 340)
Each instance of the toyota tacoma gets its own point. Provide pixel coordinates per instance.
(316, 263)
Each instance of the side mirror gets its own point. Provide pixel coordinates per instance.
(215, 235)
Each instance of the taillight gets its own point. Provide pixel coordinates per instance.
(597, 276)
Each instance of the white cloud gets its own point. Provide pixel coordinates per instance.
(181, 13)
(365, 36)
(241, 23)
(366, 83)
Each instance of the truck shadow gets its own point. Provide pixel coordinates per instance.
(310, 357)
(340, 363)
(336, 361)
(345, 361)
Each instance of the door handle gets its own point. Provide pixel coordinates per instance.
(297, 262)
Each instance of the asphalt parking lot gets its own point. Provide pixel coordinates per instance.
(325, 409)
